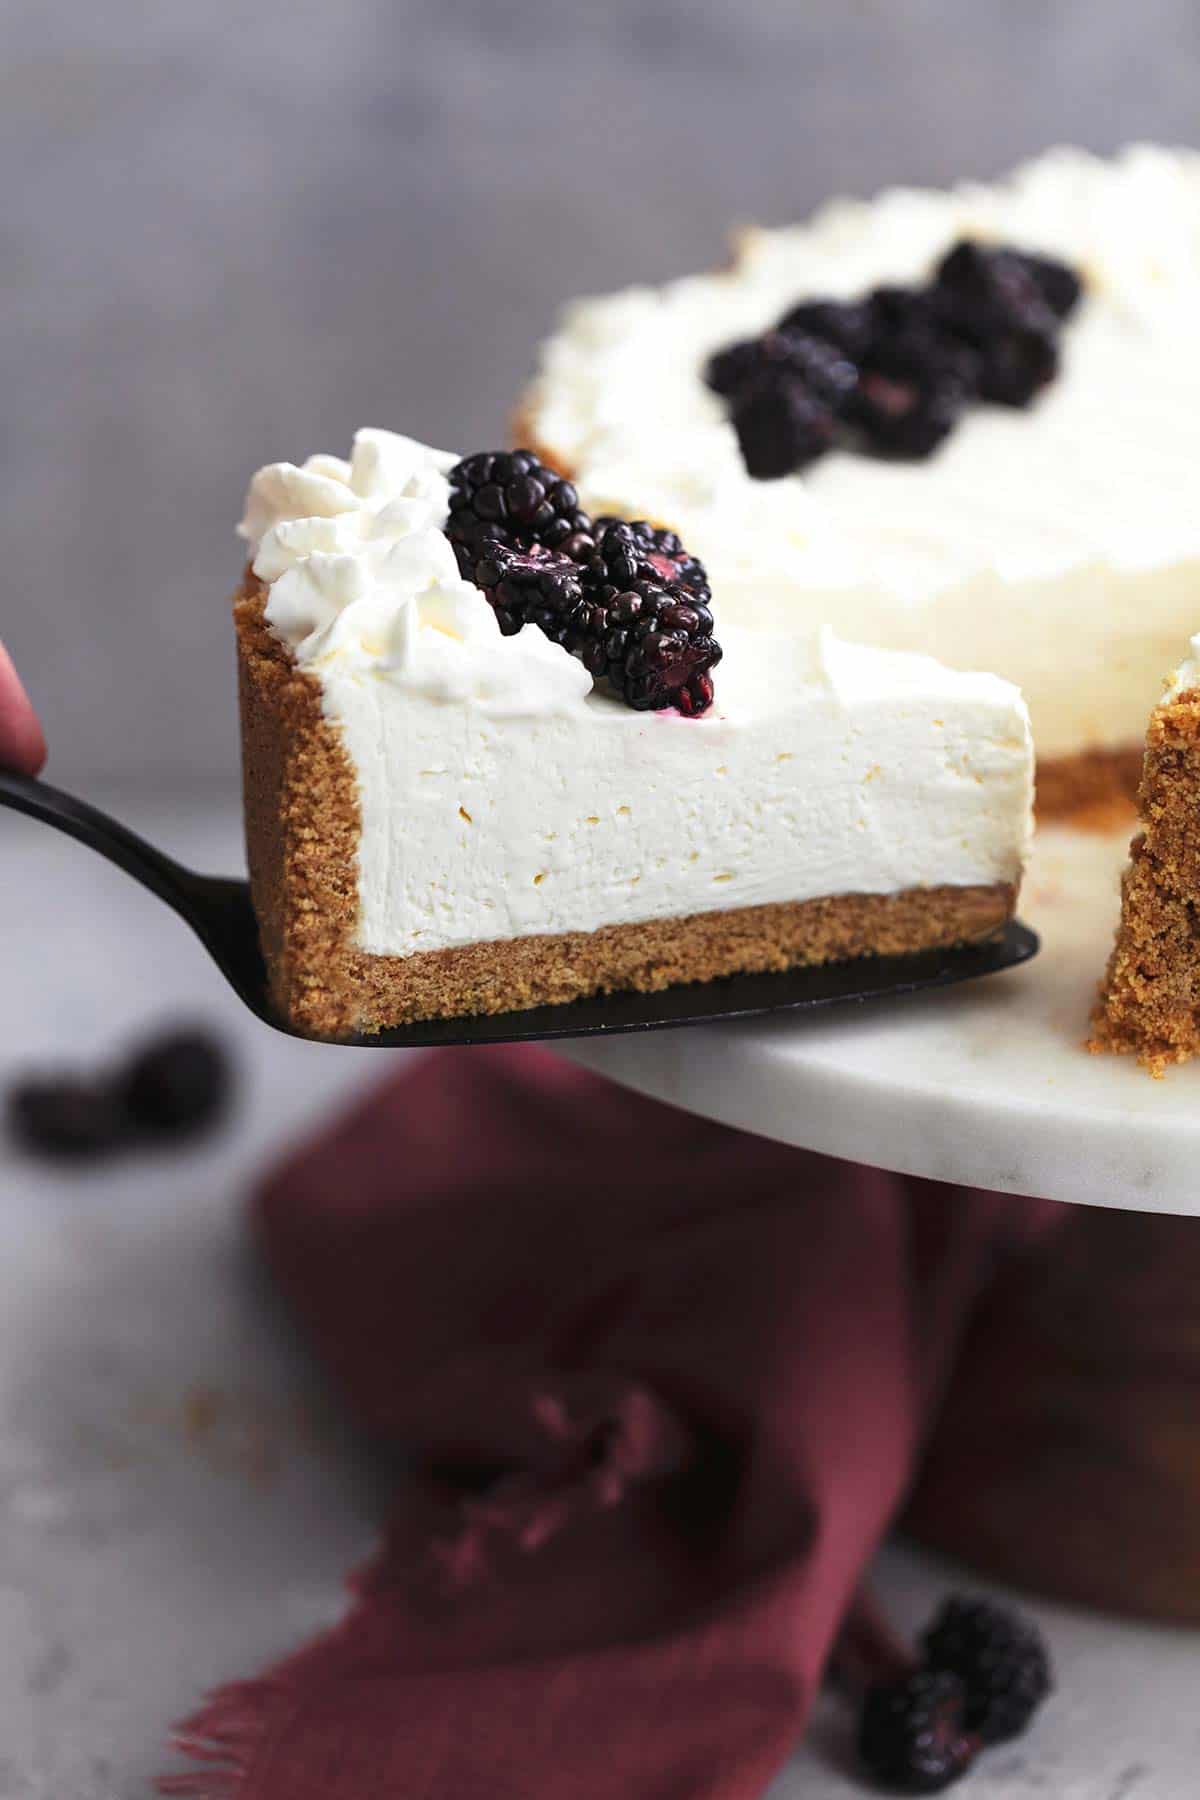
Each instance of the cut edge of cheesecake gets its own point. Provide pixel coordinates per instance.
(1149, 1004)
(303, 824)
(1094, 787)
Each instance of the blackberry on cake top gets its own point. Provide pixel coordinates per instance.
(624, 597)
(658, 644)
(510, 497)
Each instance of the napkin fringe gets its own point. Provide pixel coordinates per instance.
(223, 1734)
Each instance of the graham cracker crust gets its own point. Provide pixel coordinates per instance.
(302, 821)
(1149, 1003)
(302, 832)
(1094, 789)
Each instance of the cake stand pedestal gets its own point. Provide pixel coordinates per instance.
(1073, 1420)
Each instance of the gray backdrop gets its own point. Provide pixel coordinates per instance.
(232, 232)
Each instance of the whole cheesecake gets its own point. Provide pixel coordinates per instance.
(1055, 542)
(448, 813)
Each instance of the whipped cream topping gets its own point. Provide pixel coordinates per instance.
(1058, 545)
(363, 581)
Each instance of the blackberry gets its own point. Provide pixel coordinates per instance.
(530, 587)
(628, 550)
(901, 312)
(634, 610)
(659, 650)
(911, 1733)
(1015, 365)
(822, 367)
(730, 370)
(906, 406)
(657, 644)
(999, 1657)
(510, 497)
(177, 1085)
(982, 288)
(780, 426)
(1059, 285)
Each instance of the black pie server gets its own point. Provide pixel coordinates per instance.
(218, 910)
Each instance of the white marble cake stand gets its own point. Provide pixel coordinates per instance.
(985, 1085)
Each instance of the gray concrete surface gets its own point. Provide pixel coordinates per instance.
(233, 232)
(178, 1502)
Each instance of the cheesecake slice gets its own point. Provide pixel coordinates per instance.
(1150, 999)
(1035, 514)
(448, 813)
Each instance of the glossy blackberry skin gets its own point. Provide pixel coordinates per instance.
(659, 650)
(658, 643)
(629, 550)
(625, 597)
(650, 636)
(1000, 1658)
(530, 587)
(510, 497)
(912, 1738)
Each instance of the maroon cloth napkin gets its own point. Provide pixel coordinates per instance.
(664, 1384)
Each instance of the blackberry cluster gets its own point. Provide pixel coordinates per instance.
(892, 373)
(983, 1675)
(999, 1657)
(625, 598)
(912, 1734)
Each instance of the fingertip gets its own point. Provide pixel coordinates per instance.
(22, 741)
